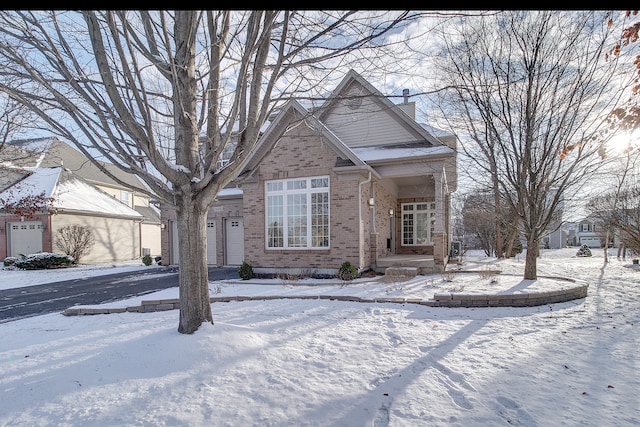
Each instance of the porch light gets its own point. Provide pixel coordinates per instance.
(371, 201)
(390, 211)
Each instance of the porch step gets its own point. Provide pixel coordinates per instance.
(400, 273)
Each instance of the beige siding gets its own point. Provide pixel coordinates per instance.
(140, 200)
(150, 237)
(116, 193)
(368, 125)
(115, 239)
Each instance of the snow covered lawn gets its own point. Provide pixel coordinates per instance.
(286, 362)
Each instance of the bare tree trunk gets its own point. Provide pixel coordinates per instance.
(195, 305)
(497, 204)
(531, 260)
(512, 238)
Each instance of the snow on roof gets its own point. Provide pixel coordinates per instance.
(40, 180)
(69, 193)
(371, 154)
(77, 195)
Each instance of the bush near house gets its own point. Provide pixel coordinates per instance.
(245, 271)
(347, 271)
(9, 261)
(40, 261)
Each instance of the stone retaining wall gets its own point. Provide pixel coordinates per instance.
(439, 300)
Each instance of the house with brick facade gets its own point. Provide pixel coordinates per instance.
(358, 179)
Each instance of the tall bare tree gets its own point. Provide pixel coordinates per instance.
(161, 94)
(531, 90)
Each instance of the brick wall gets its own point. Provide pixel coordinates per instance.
(302, 153)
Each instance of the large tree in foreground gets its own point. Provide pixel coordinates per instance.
(162, 94)
(531, 89)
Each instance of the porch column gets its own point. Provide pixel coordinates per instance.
(440, 238)
(373, 250)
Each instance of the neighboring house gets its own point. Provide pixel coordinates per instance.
(590, 233)
(555, 240)
(357, 180)
(51, 152)
(116, 226)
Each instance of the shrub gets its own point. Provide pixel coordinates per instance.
(75, 240)
(347, 271)
(147, 260)
(44, 260)
(9, 261)
(245, 271)
(584, 251)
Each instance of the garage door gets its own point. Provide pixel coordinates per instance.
(25, 237)
(211, 243)
(235, 241)
(592, 242)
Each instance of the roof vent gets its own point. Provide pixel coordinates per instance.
(405, 93)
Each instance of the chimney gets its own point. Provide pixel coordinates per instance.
(409, 108)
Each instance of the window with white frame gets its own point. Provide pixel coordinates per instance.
(297, 213)
(418, 223)
(124, 197)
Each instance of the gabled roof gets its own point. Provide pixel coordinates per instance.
(51, 152)
(71, 193)
(341, 91)
(293, 112)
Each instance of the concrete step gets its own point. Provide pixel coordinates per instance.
(396, 274)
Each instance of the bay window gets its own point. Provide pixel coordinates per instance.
(297, 213)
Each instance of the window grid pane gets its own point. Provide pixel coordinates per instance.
(275, 223)
(319, 220)
(418, 223)
(297, 220)
(297, 213)
(407, 229)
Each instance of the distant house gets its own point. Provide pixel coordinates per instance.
(22, 158)
(75, 202)
(358, 180)
(591, 233)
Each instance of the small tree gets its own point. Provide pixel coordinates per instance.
(27, 206)
(75, 240)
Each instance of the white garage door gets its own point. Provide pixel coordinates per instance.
(25, 237)
(211, 243)
(592, 242)
(235, 241)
